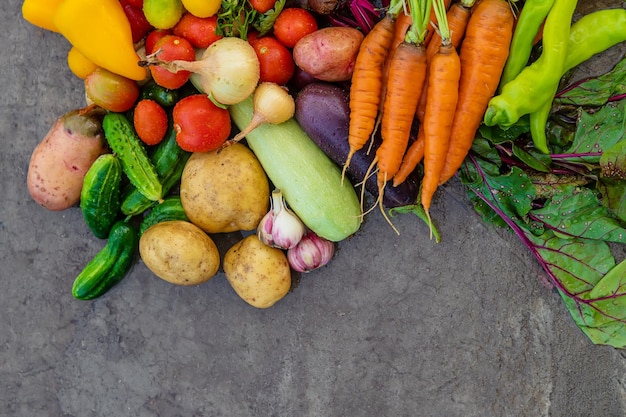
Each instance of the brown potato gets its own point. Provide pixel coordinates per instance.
(225, 191)
(329, 54)
(179, 252)
(258, 273)
(60, 161)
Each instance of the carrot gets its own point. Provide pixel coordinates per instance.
(458, 16)
(407, 72)
(366, 87)
(411, 158)
(443, 85)
(402, 24)
(483, 55)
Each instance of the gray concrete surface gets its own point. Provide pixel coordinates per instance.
(394, 326)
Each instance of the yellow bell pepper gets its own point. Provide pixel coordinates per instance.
(100, 30)
(41, 13)
(79, 64)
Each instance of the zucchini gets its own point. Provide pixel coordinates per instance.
(100, 195)
(123, 140)
(110, 265)
(309, 180)
(170, 209)
(169, 160)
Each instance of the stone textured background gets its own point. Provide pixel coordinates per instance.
(394, 326)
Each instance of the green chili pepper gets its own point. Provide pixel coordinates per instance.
(590, 35)
(594, 33)
(529, 21)
(537, 83)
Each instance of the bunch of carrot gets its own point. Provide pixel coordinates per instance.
(443, 74)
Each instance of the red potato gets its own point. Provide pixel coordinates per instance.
(60, 161)
(328, 54)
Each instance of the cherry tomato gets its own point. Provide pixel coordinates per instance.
(200, 125)
(292, 24)
(172, 48)
(153, 37)
(111, 91)
(262, 6)
(199, 31)
(275, 60)
(150, 121)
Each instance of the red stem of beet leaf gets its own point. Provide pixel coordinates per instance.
(519, 232)
(363, 15)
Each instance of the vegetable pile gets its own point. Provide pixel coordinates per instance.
(273, 118)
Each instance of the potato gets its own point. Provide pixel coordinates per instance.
(225, 191)
(258, 273)
(328, 54)
(60, 161)
(179, 252)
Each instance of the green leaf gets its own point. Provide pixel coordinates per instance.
(577, 212)
(597, 132)
(614, 196)
(598, 90)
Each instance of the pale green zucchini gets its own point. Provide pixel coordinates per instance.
(309, 180)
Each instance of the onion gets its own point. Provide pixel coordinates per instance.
(272, 104)
(228, 70)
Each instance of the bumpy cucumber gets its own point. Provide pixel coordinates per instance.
(139, 169)
(170, 209)
(169, 160)
(110, 265)
(100, 195)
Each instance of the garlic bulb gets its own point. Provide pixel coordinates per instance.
(310, 253)
(280, 227)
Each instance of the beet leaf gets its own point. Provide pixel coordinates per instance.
(568, 208)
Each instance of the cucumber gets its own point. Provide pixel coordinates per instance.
(170, 209)
(169, 160)
(164, 96)
(110, 265)
(100, 195)
(123, 140)
(309, 180)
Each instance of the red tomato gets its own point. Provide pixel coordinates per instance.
(262, 6)
(150, 121)
(200, 125)
(172, 48)
(275, 60)
(292, 24)
(153, 37)
(200, 32)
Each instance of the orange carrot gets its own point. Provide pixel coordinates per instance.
(483, 56)
(413, 156)
(367, 79)
(443, 90)
(407, 72)
(458, 16)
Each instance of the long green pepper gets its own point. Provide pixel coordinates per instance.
(528, 23)
(538, 82)
(590, 35)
